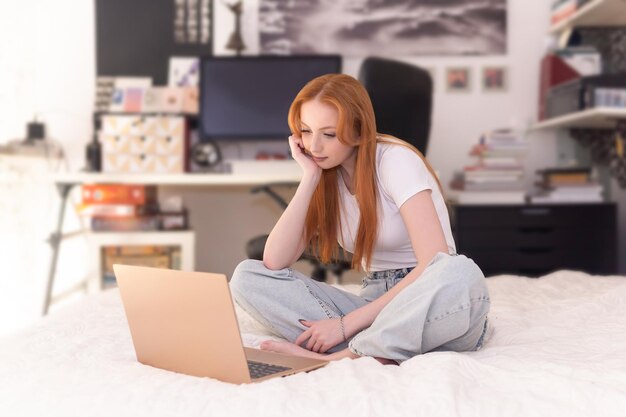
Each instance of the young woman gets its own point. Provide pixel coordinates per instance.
(378, 198)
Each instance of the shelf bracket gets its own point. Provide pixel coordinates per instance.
(607, 147)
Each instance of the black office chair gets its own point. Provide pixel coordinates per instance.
(401, 94)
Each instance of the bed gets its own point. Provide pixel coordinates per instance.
(558, 349)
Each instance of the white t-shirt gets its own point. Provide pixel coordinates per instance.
(400, 174)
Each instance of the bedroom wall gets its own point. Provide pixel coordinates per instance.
(47, 69)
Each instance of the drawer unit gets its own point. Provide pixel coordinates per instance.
(535, 240)
(144, 144)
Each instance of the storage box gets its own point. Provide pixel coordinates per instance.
(144, 144)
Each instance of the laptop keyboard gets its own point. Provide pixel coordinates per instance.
(260, 369)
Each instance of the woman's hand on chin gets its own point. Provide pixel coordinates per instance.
(299, 153)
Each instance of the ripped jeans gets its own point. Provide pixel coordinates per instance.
(445, 309)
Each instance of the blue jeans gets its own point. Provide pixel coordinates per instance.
(445, 309)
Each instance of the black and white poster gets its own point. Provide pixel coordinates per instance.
(383, 27)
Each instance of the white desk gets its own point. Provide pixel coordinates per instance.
(245, 174)
(215, 180)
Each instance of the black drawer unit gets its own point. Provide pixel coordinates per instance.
(533, 240)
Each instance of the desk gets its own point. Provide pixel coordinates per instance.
(269, 173)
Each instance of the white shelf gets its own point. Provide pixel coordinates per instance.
(595, 13)
(248, 173)
(96, 240)
(596, 118)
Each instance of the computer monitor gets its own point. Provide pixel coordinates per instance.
(248, 98)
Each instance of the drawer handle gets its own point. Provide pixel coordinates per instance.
(535, 211)
(536, 230)
(534, 251)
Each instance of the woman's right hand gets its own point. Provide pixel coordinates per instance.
(298, 153)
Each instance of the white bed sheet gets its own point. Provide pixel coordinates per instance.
(558, 349)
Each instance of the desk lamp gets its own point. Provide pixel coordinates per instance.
(34, 144)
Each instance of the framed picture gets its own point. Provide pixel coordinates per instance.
(184, 72)
(360, 28)
(458, 79)
(494, 79)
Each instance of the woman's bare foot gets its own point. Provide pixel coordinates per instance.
(289, 348)
(386, 361)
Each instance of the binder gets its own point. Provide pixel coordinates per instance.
(554, 71)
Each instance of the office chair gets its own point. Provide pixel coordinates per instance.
(401, 94)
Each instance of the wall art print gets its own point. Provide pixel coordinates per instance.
(360, 28)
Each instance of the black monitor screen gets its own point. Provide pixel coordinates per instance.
(249, 97)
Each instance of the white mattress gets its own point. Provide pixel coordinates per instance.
(559, 348)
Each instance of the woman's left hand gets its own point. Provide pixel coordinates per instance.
(322, 335)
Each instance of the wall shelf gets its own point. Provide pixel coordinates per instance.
(595, 118)
(595, 13)
(244, 173)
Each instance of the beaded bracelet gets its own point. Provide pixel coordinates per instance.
(343, 330)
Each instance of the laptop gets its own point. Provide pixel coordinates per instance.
(185, 322)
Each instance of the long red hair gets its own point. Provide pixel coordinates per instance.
(356, 127)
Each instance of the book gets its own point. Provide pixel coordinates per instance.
(502, 137)
(115, 210)
(491, 197)
(124, 224)
(551, 198)
(501, 162)
(565, 175)
(478, 172)
(488, 151)
(494, 186)
(118, 194)
(589, 187)
(563, 10)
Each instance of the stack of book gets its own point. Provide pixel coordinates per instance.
(567, 185)
(562, 9)
(498, 175)
(120, 207)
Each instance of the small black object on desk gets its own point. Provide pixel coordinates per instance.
(93, 151)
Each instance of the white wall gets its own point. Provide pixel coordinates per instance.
(47, 68)
(458, 119)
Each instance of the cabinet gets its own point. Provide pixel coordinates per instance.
(184, 240)
(536, 240)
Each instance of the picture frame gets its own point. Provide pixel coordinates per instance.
(127, 94)
(458, 79)
(391, 28)
(494, 79)
(184, 71)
